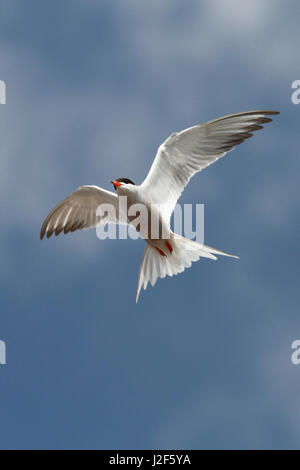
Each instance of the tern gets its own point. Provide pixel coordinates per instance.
(178, 158)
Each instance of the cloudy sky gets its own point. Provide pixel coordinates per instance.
(204, 359)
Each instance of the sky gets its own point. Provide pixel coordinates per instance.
(203, 361)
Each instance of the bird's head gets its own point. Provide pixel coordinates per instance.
(122, 183)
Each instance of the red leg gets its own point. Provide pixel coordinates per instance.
(169, 246)
(160, 251)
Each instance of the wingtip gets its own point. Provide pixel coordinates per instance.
(270, 115)
(272, 111)
(266, 111)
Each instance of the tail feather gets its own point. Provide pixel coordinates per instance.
(185, 252)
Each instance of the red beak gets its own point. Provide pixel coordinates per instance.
(116, 183)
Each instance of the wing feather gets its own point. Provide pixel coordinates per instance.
(78, 211)
(185, 153)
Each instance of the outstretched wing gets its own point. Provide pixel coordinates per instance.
(79, 210)
(185, 153)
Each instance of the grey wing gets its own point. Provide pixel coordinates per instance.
(185, 153)
(80, 210)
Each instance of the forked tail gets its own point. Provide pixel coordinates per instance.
(185, 251)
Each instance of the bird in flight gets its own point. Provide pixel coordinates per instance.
(178, 158)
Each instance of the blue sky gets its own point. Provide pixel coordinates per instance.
(203, 361)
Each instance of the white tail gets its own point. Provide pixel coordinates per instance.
(185, 251)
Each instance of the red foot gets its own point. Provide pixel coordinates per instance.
(169, 246)
(160, 251)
